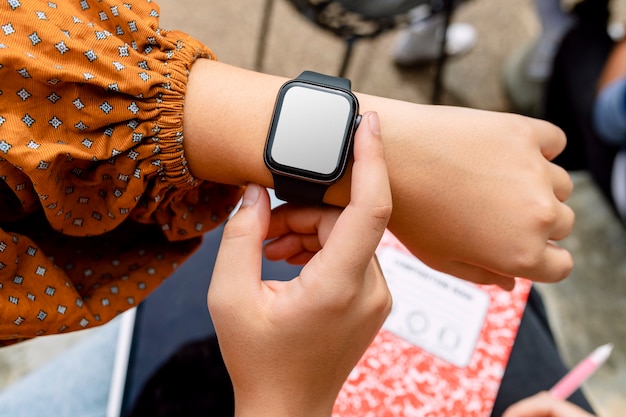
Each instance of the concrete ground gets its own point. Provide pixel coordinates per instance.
(588, 309)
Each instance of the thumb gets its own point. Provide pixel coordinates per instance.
(239, 259)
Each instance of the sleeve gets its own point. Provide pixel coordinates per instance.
(609, 112)
(97, 204)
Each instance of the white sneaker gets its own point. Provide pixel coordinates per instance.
(420, 43)
(616, 30)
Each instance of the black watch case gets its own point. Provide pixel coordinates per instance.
(311, 132)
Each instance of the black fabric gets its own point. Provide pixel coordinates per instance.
(194, 382)
(535, 364)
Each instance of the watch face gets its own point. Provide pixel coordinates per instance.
(311, 131)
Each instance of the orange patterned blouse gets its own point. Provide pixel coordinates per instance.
(97, 206)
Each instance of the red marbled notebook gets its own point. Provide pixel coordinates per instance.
(443, 349)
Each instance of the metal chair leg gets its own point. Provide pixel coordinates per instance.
(347, 56)
(265, 23)
(441, 60)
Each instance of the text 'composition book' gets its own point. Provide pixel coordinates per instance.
(443, 349)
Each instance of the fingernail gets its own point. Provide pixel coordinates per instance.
(251, 195)
(374, 122)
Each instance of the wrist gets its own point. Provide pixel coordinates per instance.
(226, 114)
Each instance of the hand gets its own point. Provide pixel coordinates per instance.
(289, 346)
(475, 194)
(544, 405)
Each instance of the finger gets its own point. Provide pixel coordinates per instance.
(552, 264)
(480, 275)
(381, 296)
(564, 223)
(562, 182)
(544, 405)
(557, 264)
(289, 218)
(552, 139)
(365, 217)
(242, 239)
(291, 245)
(300, 258)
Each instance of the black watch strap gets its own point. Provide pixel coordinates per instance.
(318, 78)
(299, 191)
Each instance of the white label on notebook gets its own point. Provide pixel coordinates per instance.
(437, 312)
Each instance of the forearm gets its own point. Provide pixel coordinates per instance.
(227, 116)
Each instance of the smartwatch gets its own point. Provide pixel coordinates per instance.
(310, 137)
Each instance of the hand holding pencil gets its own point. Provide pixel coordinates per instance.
(579, 374)
(545, 405)
(552, 403)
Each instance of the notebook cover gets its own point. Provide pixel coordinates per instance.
(443, 349)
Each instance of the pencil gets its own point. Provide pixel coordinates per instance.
(579, 374)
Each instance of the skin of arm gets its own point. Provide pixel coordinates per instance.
(615, 66)
(290, 345)
(474, 192)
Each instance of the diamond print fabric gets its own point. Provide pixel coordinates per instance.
(97, 206)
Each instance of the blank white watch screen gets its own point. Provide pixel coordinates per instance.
(311, 129)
